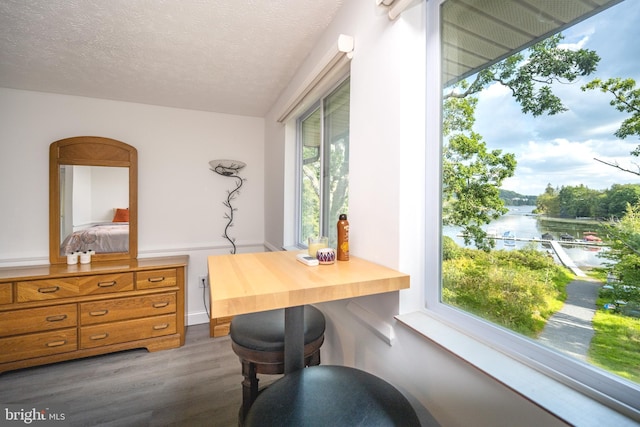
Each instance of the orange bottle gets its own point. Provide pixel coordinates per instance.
(343, 239)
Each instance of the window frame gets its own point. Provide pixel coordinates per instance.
(300, 164)
(613, 391)
(323, 154)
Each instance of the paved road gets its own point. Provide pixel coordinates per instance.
(570, 329)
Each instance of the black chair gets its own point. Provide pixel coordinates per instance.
(258, 340)
(331, 396)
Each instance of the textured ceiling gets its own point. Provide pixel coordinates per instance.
(229, 56)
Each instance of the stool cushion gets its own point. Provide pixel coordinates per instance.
(331, 396)
(264, 330)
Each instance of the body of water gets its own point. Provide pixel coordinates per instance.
(522, 223)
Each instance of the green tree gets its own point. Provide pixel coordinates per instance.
(472, 174)
(548, 203)
(624, 242)
(578, 201)
(619, 196)
(626, 99)
(337, 190)
(530, 75)
(624, 236)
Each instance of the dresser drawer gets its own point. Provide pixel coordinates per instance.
(127, 308)
(128, 330)
(38, 319)
(6, 293)
(36, 345)
(47, 289)
(156, 279)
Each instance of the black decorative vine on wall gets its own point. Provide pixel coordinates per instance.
(229, 169)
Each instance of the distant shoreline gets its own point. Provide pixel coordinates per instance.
(571, 220)
(544, 217)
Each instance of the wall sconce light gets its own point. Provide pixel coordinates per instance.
(396, 7)
(229, 169)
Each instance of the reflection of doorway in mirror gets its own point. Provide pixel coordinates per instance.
(66, 222)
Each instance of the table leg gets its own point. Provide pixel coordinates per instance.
(293, 339)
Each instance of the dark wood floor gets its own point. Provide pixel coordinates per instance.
(195, 385)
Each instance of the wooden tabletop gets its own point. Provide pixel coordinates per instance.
(247, 283)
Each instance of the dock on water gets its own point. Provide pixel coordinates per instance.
(565, 258)
(556, 245)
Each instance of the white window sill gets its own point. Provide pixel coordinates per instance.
(564, 402)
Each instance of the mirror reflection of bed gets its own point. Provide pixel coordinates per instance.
(93, 199)
(94, 214)
(106, 238)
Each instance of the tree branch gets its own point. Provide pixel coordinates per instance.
(617, 166)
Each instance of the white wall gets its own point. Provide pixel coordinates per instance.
(179, 199)
(387, 210)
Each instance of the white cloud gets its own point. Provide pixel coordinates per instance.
(495, 91)
(609, 128)
(577, 45)
(561, 162)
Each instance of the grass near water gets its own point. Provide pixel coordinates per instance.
(521, 290)
(616, 344)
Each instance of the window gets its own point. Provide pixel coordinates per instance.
(323, 147)
(506, 136)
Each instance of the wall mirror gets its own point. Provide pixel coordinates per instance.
(93, 199)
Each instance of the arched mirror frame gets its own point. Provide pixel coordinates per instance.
(91, 151)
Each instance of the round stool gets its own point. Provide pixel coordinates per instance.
(331, 396)
(258, 340)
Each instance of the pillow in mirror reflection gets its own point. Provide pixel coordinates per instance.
(326, 256)
(121, 215)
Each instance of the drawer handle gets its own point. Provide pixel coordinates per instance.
(49, 290)
(160, 327)
(155, 279)
(98, 313)
(160, 304)
(57, 318)
(99, 337)
(56, 343)
(106, 284)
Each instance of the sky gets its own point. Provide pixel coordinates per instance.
(560, 150)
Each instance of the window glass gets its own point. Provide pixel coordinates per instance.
(310, 138)
(323, 135)
(540, 184)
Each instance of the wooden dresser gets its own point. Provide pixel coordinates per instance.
(52, 313)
